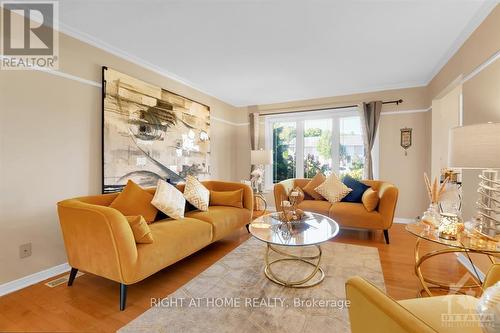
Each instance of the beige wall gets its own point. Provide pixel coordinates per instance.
(50, 138)
(479, 47)
(445, 115)
(406, 172)
(481, 96)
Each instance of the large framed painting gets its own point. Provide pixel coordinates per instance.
(150, 133)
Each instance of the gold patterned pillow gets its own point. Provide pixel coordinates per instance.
(332, 189)
(196, 194)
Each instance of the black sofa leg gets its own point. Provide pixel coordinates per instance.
(72, 276)
(386, 236)
(123, 296)
(248, 227)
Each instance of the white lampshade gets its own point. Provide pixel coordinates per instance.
(261, 157)
(475, 146)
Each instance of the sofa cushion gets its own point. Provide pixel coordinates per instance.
(357, 187)
(350, 214)
(140, 229)
(169, 200)
(196, 193)
(332, 189)
(173, 241)
(134, 200)
(370, 199)
(315, 206)
(227, 198)
(224, 220)
(310, 188)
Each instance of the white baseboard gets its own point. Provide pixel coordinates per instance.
(404, 220)
(29, 280)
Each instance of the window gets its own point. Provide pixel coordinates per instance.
(326, 141)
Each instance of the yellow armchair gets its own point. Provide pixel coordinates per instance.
(373, 311)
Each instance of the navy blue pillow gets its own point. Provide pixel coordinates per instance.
(357, 187)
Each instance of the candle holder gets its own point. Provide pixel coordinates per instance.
(450, 226)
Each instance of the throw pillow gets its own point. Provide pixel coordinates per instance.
(310, 188)
(300, 195)
(227, 198)
(134, 200)
(370, 199)
(140, 229)
(357, 187)
(197, 194)
(332, 189)
(169, 200)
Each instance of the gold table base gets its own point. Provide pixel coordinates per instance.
(429, 284)
(290, 257)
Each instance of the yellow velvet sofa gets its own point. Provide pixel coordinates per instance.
(347, 214)
(99, 240)
(373, 311)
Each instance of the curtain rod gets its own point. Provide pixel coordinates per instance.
(397, 102)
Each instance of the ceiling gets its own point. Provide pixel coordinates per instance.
(249, 52)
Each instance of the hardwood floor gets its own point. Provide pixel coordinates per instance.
(91, 304)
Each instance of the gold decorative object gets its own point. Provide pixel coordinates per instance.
(431, 217)
(451, 225)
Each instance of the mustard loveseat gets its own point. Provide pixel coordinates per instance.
(347, 214)
(99, 240)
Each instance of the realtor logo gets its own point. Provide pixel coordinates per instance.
(29, 35)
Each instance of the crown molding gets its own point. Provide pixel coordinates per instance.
(95, 42)
(473, 24)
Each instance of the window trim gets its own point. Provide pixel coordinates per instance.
(299, 119)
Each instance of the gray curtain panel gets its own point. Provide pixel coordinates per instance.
(370, 115)
(254, 133)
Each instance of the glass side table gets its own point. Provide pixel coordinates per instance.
(464, 244)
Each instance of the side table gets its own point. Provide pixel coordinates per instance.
(464, 244)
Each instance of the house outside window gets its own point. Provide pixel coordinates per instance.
(319, 141)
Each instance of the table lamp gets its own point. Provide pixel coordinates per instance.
(478, 147)
(259, 158)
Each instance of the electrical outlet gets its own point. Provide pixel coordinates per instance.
(25, 250)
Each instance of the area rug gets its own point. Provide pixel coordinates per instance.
(233, 295)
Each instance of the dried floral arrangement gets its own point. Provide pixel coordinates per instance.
(435, 190)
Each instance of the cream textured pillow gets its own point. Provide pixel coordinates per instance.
(196, 194)
(332, 189)
(169, 200)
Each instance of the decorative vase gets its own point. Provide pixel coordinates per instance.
(431, 215)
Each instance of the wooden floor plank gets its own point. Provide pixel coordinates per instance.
(91, 304)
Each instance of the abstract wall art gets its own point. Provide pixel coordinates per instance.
(150, 133)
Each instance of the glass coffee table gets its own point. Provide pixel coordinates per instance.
(312, 230)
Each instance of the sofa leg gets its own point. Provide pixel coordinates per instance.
(386, 236)
(123, 296)
(248, 227)
(72, 276)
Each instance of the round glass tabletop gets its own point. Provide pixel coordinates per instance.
(311, 230)
(465, 240)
